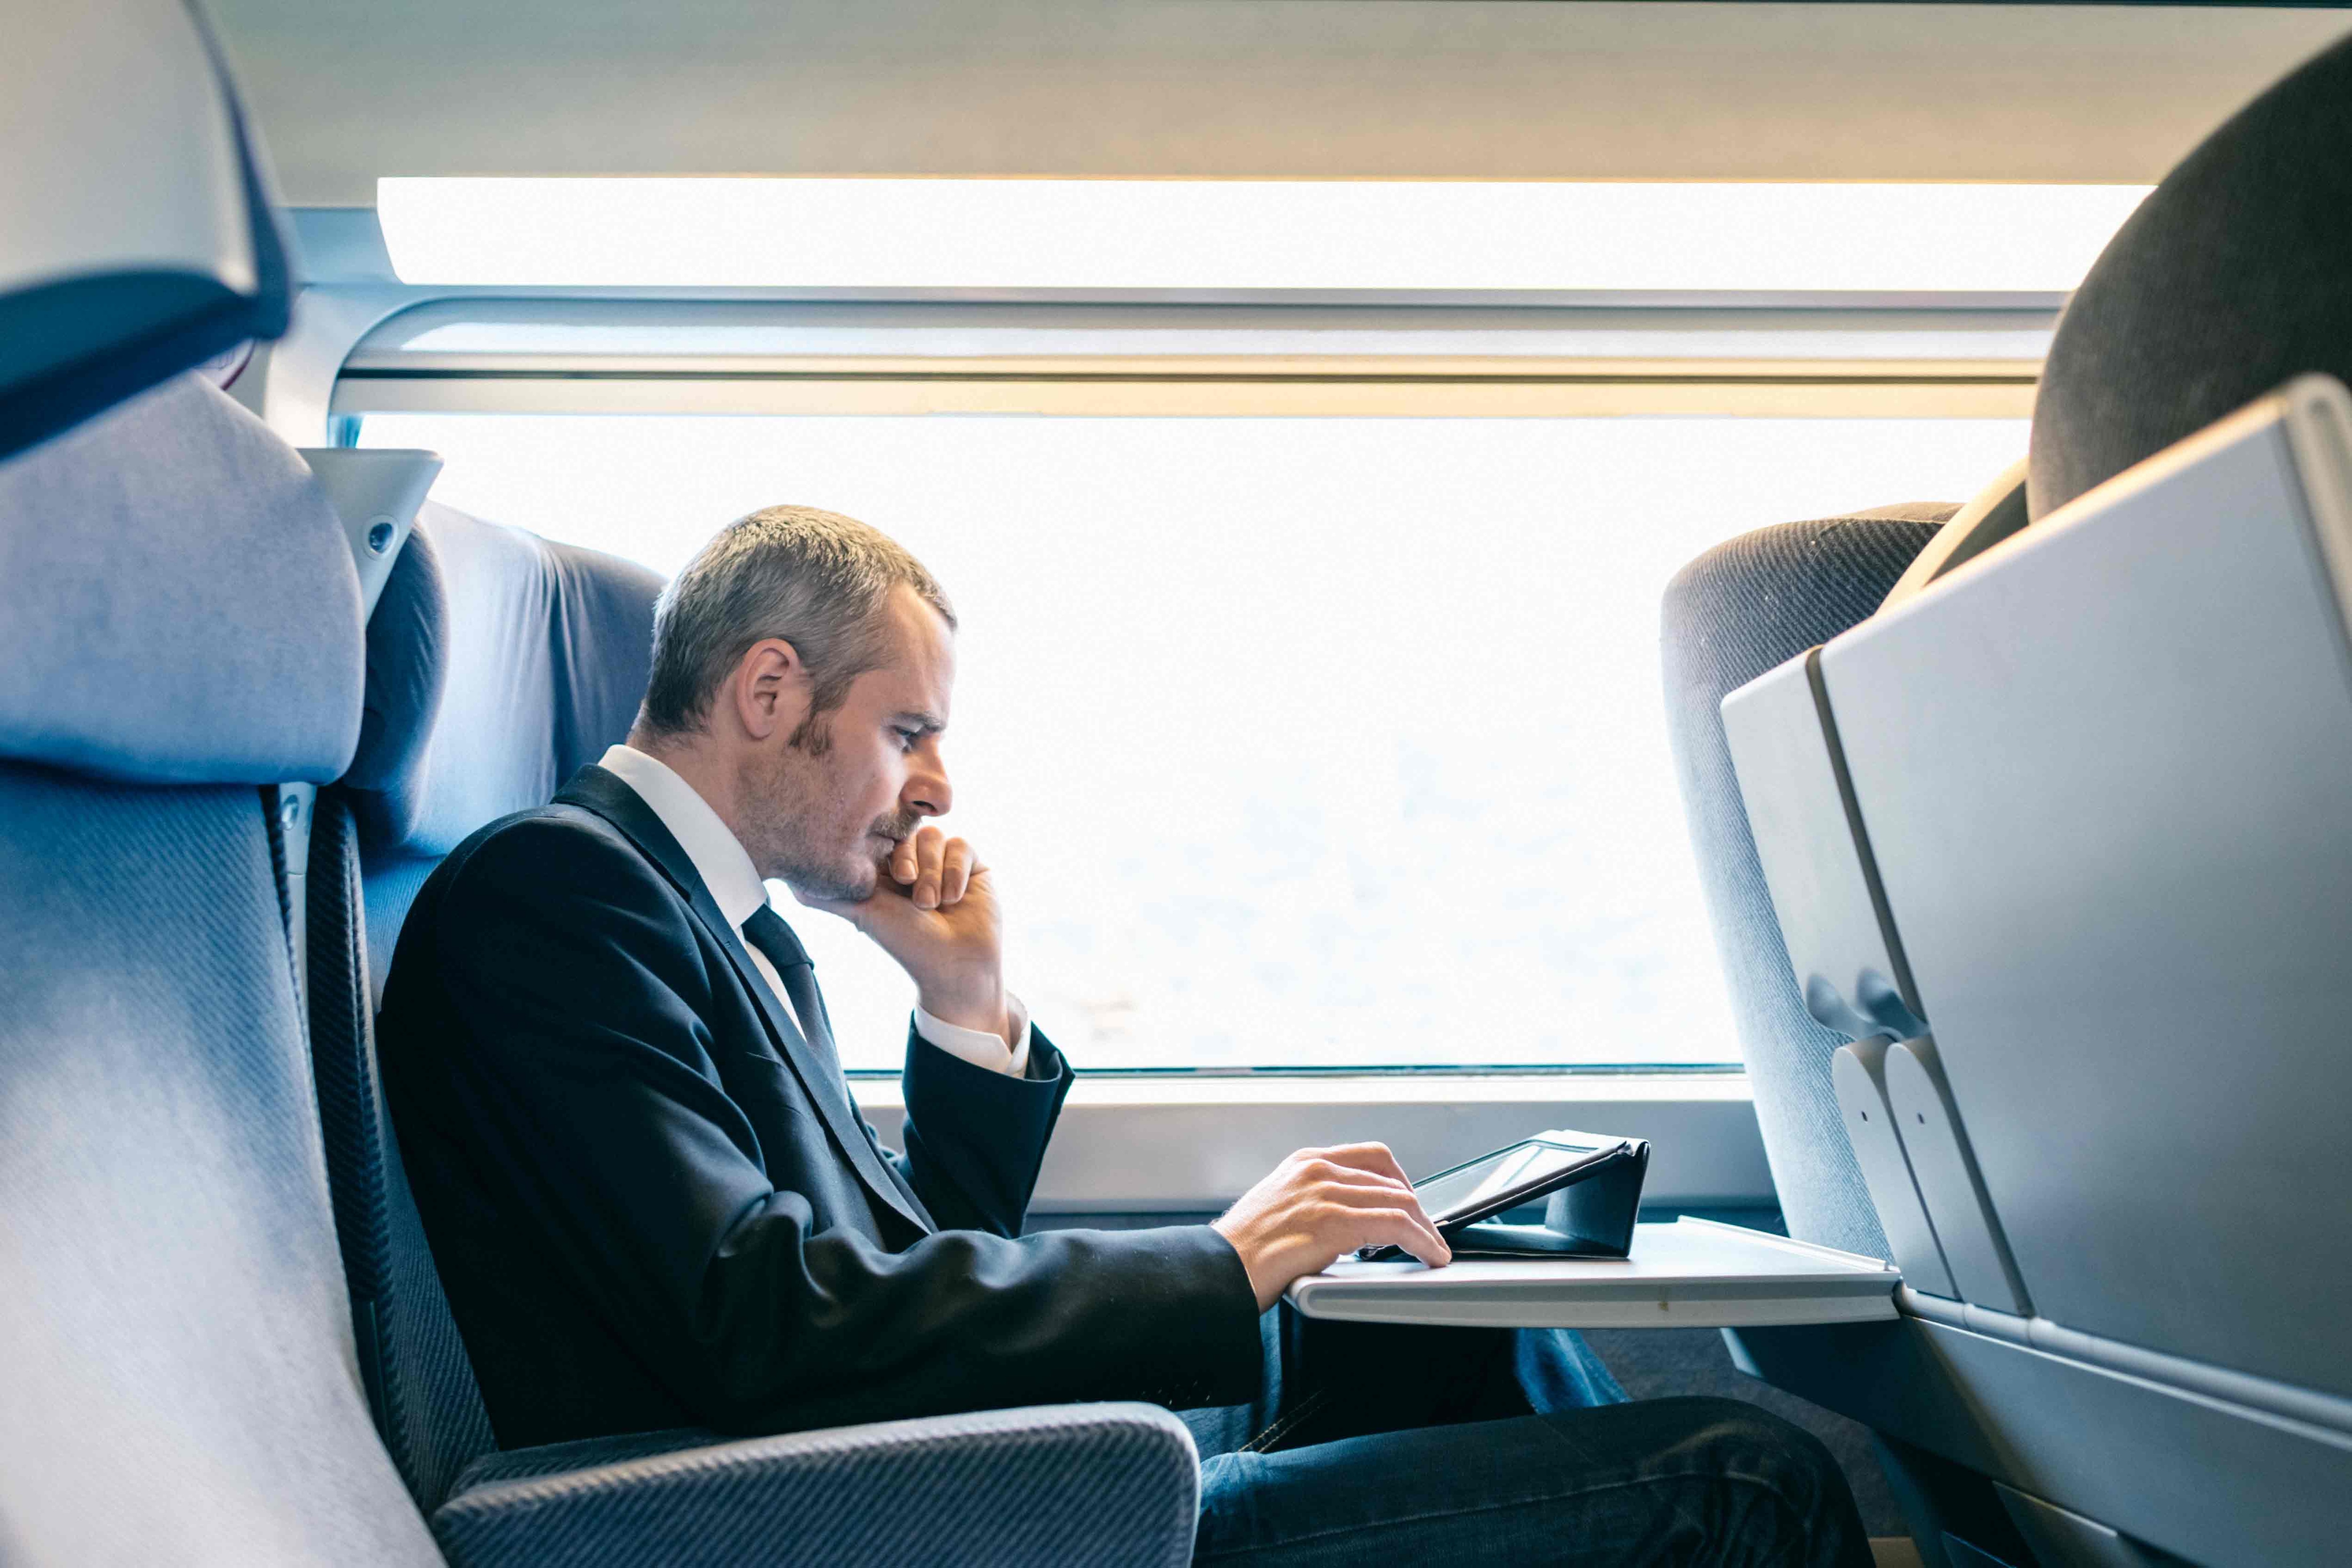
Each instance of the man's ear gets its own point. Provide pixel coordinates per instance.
(769, 689)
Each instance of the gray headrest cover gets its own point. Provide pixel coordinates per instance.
(179, 600)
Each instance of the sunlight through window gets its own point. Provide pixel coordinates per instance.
(1247, 234)
(1295, 742)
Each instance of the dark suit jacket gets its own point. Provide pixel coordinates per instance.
(652, 1206)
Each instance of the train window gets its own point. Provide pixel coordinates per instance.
(1095, 234)
(1307, 741)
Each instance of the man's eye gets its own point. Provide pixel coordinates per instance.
(906, 739)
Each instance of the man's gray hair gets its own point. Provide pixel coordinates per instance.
(814, 578)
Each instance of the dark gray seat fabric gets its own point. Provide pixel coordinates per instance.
(1738, 611)
(176, 1377)
(497, 663)
(429, 1408)
(1056, 1484)
(2229, 281)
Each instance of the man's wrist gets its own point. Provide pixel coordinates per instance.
(988, 1013)
(1007, 1052)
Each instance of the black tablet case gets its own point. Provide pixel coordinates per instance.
(1591, 1217)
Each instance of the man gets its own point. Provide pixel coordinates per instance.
(654, 1202)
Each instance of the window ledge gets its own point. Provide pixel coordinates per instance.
(1411, 1087)
(1186, 1143)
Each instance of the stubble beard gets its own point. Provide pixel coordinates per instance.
(801, 841)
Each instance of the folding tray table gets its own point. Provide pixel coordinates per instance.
(1692, 1273)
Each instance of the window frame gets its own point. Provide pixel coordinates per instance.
(1970, 357)
(1189, 1140)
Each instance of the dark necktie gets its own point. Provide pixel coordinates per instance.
(767, 932)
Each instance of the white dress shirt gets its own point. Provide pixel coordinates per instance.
(725, 869)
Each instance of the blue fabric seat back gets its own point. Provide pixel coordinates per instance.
(1738, 611)
(497, 663)
(177, 1380)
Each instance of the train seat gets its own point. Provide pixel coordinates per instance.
(179, 1384)
(2023, 1438)
(1739, 609)
(497, 663)
(187, 660)
(184, 620)
(182, 1384)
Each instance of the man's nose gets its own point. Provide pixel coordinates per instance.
(927, 792)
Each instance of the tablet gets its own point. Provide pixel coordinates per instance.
(1481, 1189)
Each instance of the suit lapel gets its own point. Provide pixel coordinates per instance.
(828, 1049)
(594, 790)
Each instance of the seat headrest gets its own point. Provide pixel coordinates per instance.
(137, 236)
(2234, 277)
(181, 603)
(498, 662)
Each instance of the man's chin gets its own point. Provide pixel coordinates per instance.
(852, 885)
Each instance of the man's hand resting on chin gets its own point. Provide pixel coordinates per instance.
(1321, 1203)
(933, 909)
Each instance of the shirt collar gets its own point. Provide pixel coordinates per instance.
(718, 857)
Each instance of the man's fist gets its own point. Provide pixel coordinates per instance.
(1321, 1204)
(933, 909)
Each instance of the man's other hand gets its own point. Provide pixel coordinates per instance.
(933, 909)
(1321, 1204)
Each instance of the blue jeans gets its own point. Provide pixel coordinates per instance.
(1423, 1448)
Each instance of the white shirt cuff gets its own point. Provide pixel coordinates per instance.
(978, 1046)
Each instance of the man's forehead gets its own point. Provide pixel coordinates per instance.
(919, 673)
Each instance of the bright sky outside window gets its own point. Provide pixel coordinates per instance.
(1247, 234)
(1324, 742)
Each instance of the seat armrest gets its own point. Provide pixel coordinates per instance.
(1058, 1483)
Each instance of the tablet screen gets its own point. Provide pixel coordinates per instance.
(1468, 1189)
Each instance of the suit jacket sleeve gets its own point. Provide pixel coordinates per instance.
(589, 1094)
(974, 1138)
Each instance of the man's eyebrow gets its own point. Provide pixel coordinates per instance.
(929, 723)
